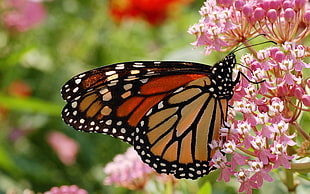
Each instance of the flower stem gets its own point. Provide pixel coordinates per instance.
(291, 187)
(301, 131)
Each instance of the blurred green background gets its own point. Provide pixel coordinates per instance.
(70, 37)
(36, 60)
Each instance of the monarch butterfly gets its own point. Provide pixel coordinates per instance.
(169, 111)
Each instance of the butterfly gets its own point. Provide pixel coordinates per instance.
(170, 111)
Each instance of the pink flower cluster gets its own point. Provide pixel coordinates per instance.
(73, 189)
(22, 15)
(226, 23)
(263, 130)
(264, 118)
(127, 170)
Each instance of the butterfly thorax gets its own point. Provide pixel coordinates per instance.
(223, 81)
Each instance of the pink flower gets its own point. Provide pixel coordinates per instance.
(127, 170)
(225, 174)
(22, 15)
(261, 173)
(281, 158)
(224, 24)
(219, 161)
(246, 183)
(73, 189)
(65, 147)
(263, 115)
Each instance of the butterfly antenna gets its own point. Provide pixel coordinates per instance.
(257, 44)
(242, 46)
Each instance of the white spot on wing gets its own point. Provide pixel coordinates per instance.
(78, 81)
(134, 72)
(127, 86)
(74, 104)
(120, 66)
(75, 89)
(82, 75)
(123, 130)
(107, 96)
(144, 80)
(112, 77)
(108, 122)
(103, 91)
(110, 73)
(139, 65)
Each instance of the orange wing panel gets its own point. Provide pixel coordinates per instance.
(93, 80)
(129, 105)
(142, 109)
(167, 83)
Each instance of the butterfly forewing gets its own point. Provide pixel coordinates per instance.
(113, 99)
(169, 111)
(127, 71)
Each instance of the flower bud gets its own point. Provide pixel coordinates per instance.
(306, 100)
(272, 15)
(287, 4)
(289, 14)
(299, 4)
(247, 10)
(275, 4)
(299, 92)
(259, 14)
(279, 56)
(239, 4)
(307, 17)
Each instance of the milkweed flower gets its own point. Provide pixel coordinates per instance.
(66, 189)
(127, 170)
(226, 23)
(264, 120)
(65, 147)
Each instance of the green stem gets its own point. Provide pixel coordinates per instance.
(301, 131)
(291, 187)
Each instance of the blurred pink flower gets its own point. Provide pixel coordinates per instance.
(127, 170)
(65, 147)
(73, 189)
(22, 15)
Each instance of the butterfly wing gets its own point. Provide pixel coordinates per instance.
(173, 136)
(167, 110)
(113, 99)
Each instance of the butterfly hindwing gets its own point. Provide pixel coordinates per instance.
(173, 136)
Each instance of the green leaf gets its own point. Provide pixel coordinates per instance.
(206, 188)
(30, 104)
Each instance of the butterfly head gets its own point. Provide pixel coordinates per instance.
(223, 79)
